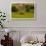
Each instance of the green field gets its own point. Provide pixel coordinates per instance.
(21, 15)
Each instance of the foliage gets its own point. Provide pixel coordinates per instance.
(14, 9)
(2, 18)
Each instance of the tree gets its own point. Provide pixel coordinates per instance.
(14, 9)
(27, 7)
(32, 7)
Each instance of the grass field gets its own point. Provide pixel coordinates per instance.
(22, 15)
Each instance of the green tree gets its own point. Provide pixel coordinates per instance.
(14, 9)
(27, 7)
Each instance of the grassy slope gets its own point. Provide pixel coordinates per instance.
(25, 15)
